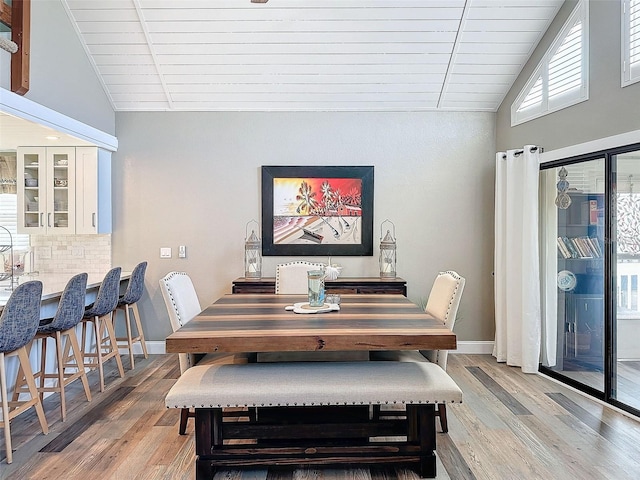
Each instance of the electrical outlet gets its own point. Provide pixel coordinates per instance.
(165, 252)
(182, 251)
(77, 252)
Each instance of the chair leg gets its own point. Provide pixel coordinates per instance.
(19, 385)
(111, 335)
(143, 342)
(5, 409)
(41, 375)
(60, 369)
(129, 339)
(96, 328)
(442, 413)
(35, 397)
(78, 361)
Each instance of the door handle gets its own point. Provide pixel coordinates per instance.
(48, 220)
(93, 219)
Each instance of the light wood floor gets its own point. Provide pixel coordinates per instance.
(628, 381)
(510, 426)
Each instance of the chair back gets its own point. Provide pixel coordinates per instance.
(108, 294)
(443, 303)
(20, 317)
(71, 306)
(291, 278)
(136, 285)
(182, 304)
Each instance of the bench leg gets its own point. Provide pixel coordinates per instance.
(184, 417)
(427, 433)
(208, 423)
(442, 413)
(421, 424)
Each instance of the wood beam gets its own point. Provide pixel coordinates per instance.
(20, 34)
(5, 14)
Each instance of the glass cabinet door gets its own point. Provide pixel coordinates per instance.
(61, 179)
(31, 183)
(46, 191)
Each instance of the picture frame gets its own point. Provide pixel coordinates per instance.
(317, 210)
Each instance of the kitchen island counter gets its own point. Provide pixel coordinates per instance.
(53, 285)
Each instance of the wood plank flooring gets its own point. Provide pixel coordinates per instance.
(509, 426)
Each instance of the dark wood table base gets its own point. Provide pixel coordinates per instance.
(315, 436)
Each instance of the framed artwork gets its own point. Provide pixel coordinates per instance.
(322, 211)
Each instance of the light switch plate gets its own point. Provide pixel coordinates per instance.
(182, 251)
(165, 252)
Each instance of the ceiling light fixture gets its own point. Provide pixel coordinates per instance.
(52, 137)
(259, 1)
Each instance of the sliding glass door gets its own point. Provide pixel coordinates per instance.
(590, 240)
(626, 367)
(574, 229)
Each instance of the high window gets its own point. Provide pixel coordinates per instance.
(561, 77)
(630, 42)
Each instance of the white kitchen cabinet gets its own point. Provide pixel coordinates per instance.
(46, 190)
(93, 192)
(64, 190)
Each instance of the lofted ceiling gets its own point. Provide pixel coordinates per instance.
(300, 55)
(309, 55)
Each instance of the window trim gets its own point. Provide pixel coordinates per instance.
(628, 75)
(579, 13)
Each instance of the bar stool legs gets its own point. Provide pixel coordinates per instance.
(100, 314)
(69, 366)
(128, 341)
(11, 409)
(105, 345)
(19, 322)
(127, 302)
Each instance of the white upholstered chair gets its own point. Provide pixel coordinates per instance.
(183, 305)
(291, 278)
(443, 303)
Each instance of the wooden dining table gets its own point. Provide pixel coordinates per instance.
(320, 435)
(237, 323)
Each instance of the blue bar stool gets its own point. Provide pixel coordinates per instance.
(18, 325)
(100, 313)
(62, 329)
(127, 302)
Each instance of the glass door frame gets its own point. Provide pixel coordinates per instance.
(610, 281)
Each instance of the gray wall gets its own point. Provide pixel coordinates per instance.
(194, 179)
(62, 77)
(610, 110)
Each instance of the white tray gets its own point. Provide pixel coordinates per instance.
(304, 307)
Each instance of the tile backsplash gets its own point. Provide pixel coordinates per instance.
(70, 253)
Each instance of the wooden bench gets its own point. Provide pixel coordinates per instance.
(314, 414)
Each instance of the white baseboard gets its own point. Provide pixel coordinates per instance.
(474, 347)
(155, 347)
(465, 347)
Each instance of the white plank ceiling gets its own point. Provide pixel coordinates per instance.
(309, 55)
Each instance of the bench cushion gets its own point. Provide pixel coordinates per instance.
(398, 356)
(312, 383)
